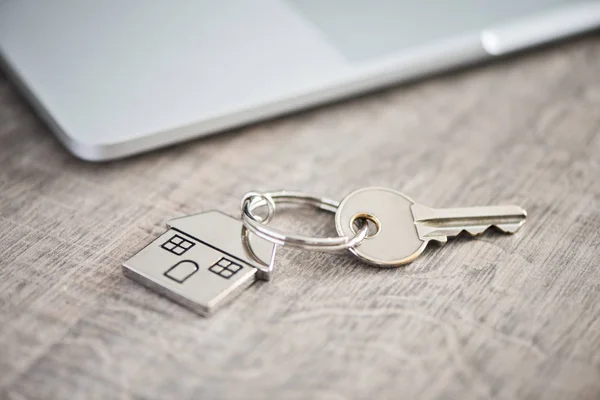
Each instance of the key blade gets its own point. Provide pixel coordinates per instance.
(439, 223)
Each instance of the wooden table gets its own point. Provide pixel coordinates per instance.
(496, 316)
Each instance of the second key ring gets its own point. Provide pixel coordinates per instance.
(253, 200)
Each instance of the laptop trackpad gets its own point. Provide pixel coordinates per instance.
(365, 29)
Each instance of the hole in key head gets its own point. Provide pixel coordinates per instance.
(359, 220)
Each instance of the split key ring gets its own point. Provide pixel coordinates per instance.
(257, 225)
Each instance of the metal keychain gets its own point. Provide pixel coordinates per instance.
(204, 260)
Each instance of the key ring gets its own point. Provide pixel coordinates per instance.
(253, 200)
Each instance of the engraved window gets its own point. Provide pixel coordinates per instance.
(177, 245)
(225, 268)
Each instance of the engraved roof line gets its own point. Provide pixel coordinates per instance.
(214, 248)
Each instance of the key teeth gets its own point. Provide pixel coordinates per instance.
(506, 228)
(477, 231)
(512, 228)
(441, 240)
(474, 231)
(439, 224)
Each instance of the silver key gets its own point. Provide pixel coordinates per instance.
(404, 227)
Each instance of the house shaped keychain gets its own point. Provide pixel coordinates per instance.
(202, 261)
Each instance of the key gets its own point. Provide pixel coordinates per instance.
(403, 228)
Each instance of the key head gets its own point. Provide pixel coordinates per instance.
(397, 241)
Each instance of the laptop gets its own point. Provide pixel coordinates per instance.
(114, 78)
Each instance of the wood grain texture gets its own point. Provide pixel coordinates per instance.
(495, 317)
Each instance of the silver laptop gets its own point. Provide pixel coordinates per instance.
(113, 78)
